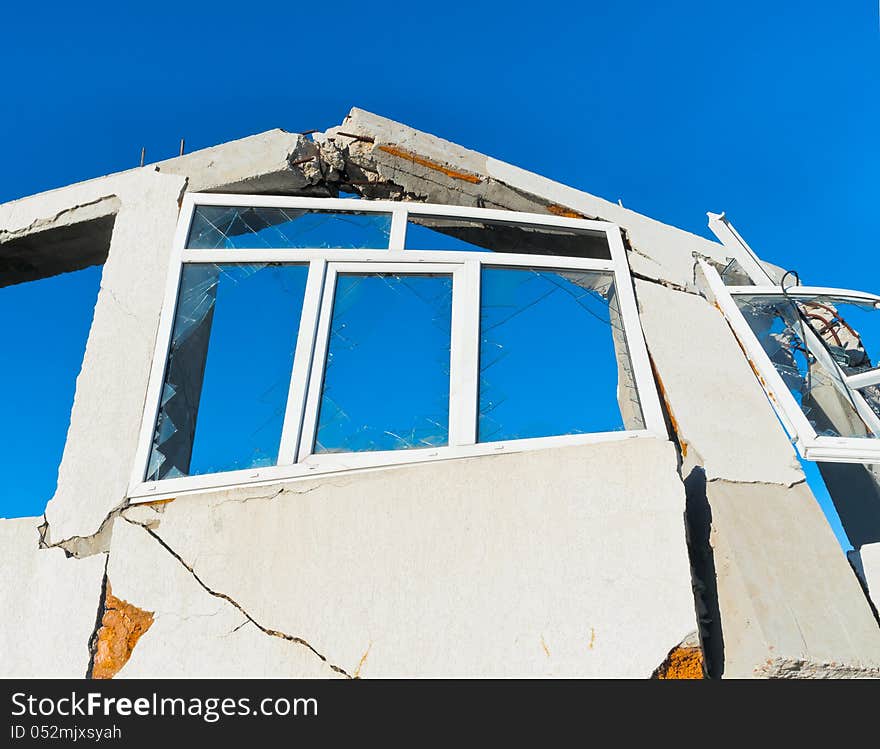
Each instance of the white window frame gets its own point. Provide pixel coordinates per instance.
(809, 444)
(295, 459)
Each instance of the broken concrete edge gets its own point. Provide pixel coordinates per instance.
(684, 661)
(795, 668)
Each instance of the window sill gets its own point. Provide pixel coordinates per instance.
(346, 463)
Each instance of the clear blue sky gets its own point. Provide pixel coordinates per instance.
(766, 110)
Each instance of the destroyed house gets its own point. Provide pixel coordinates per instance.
(365, 403)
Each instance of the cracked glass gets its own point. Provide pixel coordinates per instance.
(386, 381)
(553, 356)
(228, 369)
(850, 331)
(225, 227)
(473, 235)
(779, 324)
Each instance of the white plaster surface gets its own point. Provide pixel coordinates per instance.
(108, 406)
(194, 634)
(869, 556)
(786, 591)
(49, 604)
(560, 562)
(723, 417)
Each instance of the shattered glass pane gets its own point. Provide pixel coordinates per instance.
(553, 356)
(818, 390)
(472, 235)
(850, 331)
(872, 397)
(224, 227)
(228, 370)
(386, 382)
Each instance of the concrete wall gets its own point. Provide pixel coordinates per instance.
(565, 562)
(561, 562)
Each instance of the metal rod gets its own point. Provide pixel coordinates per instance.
(181, 146)
(364, 138)
(143, 155)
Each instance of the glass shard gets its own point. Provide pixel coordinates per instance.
(553, 356)
(228, 371)
(472, 235)
(818, 390)
(386, 382)
(224, 227)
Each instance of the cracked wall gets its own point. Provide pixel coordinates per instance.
(507, 565)
(556, 562)
(784, 589)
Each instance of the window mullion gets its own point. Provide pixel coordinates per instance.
(465, 355)
(302, 363)
(318, 362)
(398, 230)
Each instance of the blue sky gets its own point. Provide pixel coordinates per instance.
(768, 111)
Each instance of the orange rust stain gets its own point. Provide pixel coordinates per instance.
(592, 638)
(403, 153)
(672, 421)
(544, 646)
(561, 210)
(122, 625)
(158, 502)
(681, 663)
(363, 660)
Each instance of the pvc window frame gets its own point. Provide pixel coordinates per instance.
(296, 459)
(809, 444)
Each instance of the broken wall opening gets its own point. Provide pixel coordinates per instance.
(49, 283)
(59, 249)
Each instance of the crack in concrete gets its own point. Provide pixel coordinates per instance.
(43, 224)
(283, 490)
(233, 602)
(84, 546)
(93, 639)
(127, 312)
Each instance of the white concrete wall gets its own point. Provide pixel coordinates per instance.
(560, 562)
(49, 605)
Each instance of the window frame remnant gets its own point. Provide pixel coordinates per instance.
(296, 457)
(809, 444)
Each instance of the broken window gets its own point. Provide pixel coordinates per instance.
(471, 235)
(546, 337)
(224, 398)
(226, 227)
(386, 377)
(292, 348)
(812, 350)
(780, 323)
